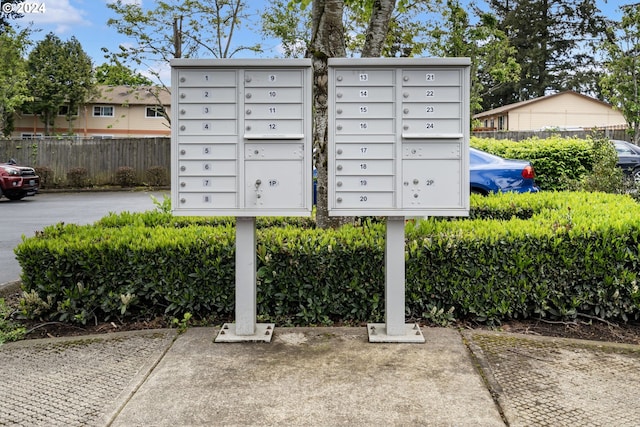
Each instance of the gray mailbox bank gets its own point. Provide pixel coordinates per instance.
(241, 146)
(398, 146)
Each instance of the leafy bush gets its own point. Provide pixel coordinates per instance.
(548, 255)
(156, 176)
(126, 176)
(46, 176)
(78, 177)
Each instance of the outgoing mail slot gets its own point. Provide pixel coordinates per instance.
(208, 183)
(364, 94)
(276, 128)
(209, 78)
(364, 167)
(272, 78)
(273, 95)
(364, 126)
(272, 111)
(207, 94)
(364, 151)
(274, 151)
(429, 150)
(207, 151)
(208, 127)
(364, 200)
(207, 167)
(364, 77)
(433, 77)
(274, 184)
(207, 200)
(431, 183)
(437, 110)
(416, 128)
(431, 94)
(364, 183)
(208, 111)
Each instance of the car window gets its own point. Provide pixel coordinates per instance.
(623, 149)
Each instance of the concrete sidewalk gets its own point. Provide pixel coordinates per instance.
(318, 377)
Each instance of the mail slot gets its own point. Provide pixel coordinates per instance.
(431, 110)
(364, 167)
(364, 151)
(365, 94)
(432, 77)
(208, 111)
(207, 167)
(207, 151)
(272, 78)
(208, 127)
(364, 78)
(429, 127)
(364, 126)
(365, 109)
(200, 78)
(274, 151)
(266, 128)
(207, 200)
(364, 200)
(273, 94)
(364, 183)
(431, 94)
(207, 94)
(208, 183)
(271, 111)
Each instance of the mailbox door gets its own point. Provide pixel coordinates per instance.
(274, 184)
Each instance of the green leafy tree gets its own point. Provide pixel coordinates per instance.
(61, 74)
(116, 74)
(555, 43)
(13, 76)
(6, 18)
(622, 69)
(492, 57)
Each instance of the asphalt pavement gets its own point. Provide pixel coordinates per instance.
(25, 217)
(318, 377)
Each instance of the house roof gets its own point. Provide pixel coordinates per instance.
(506, 108)
(128, 95)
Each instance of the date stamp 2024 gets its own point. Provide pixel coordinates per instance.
(24, 8)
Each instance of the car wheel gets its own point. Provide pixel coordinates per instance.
(635, 175)
(14, 196)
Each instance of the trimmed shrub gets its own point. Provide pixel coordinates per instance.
(156, 176)
(545, 255)
(126, 176)
(78, 177)
(46, 176)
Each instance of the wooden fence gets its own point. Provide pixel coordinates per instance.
(100, 157)
(520, 135)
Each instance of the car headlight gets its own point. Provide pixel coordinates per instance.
(14, 172)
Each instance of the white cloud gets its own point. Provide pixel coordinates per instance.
(58, 14)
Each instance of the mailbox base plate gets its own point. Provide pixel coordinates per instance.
(263, 333)
(378, 333)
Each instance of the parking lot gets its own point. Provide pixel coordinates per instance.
(25, 217)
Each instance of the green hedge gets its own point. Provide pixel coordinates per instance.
(549, 255)
(557, 161)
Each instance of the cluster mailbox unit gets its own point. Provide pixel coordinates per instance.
(398, 147)
(241, 146)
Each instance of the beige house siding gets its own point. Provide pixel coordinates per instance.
(565, 110)
(118, 111)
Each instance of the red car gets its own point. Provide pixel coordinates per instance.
(17, 182)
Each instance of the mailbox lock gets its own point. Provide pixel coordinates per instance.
(406, 111)
(248, 96)
(183, 127)
(258, 182)
(183, 151)
(183, 96)
(339, 150)
(182, 79)
(339, 94)
(339, 111)
(183, 168)
(339, 183)
(339, 167)
(183, 111)
(256, 151)
(414, 151)
(415, 181)
(339, 127)
(339, 78)
(248, 111)
(405, 95)
(183, 184)
(405, 127)
(248, 128)
(247, 79)
(415, 196)
(183, 200)
(405, 78)
(406, 183)
(339, 199)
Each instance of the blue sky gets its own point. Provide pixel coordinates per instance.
(87, 21)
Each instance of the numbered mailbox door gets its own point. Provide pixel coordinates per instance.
(274, 184)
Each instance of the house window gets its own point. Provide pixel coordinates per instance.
(64, 111)
(155, 111)
(501, 123)
(31, 135)
(103, 111)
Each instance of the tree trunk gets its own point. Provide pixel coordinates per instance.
(378, 28)
(327, 41)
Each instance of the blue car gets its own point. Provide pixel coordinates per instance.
(493, 174)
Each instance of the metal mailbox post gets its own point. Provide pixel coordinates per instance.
(398, 146)
(241, 146)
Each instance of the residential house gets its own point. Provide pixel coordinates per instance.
(567, 110)
(115, 112)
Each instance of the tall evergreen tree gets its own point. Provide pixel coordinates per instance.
(555, 43)
(13, 76)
